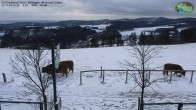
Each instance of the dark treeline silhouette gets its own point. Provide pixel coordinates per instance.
(151, 22)
(188, 35)
(34, 37)
(106, 38)
(165, 36)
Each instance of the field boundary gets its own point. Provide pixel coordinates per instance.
(102, 73)
(17, 102)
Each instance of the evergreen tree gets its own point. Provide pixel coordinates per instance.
(142, 39)
(164, 37)
(94, 42)
(133, 39)
(150, 40)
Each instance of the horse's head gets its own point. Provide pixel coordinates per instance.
(43, 69)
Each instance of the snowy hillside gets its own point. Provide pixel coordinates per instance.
(115, 94)
(139, 30)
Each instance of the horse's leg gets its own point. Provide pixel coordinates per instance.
(167, 73)
(66, 74)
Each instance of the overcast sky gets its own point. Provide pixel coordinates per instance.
(93, 10)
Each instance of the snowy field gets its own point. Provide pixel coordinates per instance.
(114, 94)
(99, 28)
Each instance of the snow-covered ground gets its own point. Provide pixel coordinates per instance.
(97, 28)
(114, 94)
(2, 34)
(51, 27)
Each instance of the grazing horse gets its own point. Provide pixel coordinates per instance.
(173, 67)
(70, 64)
(47, 69)
(61, 69)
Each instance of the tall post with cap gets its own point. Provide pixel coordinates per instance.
(54, 75)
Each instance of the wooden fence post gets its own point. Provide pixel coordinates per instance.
(40, 106)
(126, 76)
(4, 77)
(103, 77)
(101, 72)
(149, 76)
(170, 76)
(180, 106)
(80, 78)
(191, 77)
(138, 103)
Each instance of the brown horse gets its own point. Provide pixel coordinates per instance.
(173, 67)
(70, 64)
(61, 69)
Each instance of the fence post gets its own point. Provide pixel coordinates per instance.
(40, 106)
(170, 76)
(149, 76)
(138, 103)
(126, 76)
(80, 78)
(180, 105)
(4, 77)
(101, 72)
(191, 77)
(103, 77)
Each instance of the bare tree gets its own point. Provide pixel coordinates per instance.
(28, 63)
(143, 54)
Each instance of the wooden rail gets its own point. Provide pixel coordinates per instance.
(16, 102)
(180, 104)
(169, 103)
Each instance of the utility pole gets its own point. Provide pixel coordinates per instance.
(54, 75)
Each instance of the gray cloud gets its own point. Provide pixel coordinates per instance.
(95, 9)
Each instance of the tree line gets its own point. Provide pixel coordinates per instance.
(163, 37)
(67, 36)
(33, 37)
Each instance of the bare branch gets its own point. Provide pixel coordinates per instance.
(28, 63)
(143, 55)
